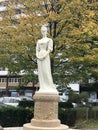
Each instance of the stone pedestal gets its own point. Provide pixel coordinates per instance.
(45, 113)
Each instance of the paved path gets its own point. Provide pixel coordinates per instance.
(13, 128)
(89, 129)
(20, 128)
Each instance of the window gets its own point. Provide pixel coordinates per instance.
(13, 80)
(2, 80)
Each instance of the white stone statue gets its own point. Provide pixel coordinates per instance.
(43, 48)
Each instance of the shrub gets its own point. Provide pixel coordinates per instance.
(86, 113)
(65, 105)
(74, 97)
(25, 103)
(67, 116)
(84, 96)
(81, 113)
(11, 116)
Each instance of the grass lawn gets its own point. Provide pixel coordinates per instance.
(87, 124)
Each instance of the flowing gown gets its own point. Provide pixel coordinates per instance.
(43, 48)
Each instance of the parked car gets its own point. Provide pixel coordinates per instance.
(25, 98)
(2, 105)
(14, 101)
(11, 101)
(1, 99)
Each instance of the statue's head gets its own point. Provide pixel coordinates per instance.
(44, 30)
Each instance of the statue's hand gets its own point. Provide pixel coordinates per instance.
(42, 55)
(39, 58)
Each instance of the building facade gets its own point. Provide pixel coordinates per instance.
(13, 85)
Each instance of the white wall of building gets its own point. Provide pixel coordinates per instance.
(75, 87)
(3, 71)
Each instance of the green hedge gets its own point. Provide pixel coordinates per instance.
(86, 113)
(26, 104)
(65, 105)
(11, 116)
(67, 116)
(31, 104)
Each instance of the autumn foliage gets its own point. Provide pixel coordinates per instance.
(72, 25)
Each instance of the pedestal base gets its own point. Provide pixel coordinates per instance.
(30, 127)
(45, 123)
(45, 114)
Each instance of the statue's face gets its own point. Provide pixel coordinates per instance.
(44, 30)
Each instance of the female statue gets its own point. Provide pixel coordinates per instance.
(43, 48)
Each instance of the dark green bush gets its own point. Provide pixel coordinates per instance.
(25, 103)
(81, 113)
(11, 116)
(67, 116)
(65, 105)
(86, 113)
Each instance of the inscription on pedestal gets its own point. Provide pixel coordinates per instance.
(46, 110)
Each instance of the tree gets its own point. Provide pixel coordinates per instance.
(84, 97)
(74, 97)
(73, 27)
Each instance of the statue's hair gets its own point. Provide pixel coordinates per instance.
(44, 28)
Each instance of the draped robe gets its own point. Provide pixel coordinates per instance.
(43, 48)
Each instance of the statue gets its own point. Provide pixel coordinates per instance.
(43, 48)
(47, 98)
